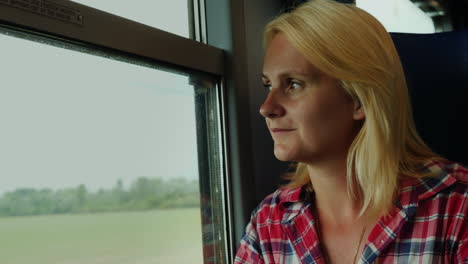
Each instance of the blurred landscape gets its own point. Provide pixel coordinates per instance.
(171, 236)
(143, 194)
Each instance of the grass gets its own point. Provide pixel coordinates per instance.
(170, 236)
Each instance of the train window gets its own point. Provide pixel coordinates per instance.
(112, 152)
(399, 15)
(172, 16)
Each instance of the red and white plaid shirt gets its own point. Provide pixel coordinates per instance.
(427, 225)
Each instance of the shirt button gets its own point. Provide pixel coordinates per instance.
(381, 241)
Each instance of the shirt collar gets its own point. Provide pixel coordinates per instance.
(293, 203)
(292, 195)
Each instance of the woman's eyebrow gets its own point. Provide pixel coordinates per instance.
(292, 72)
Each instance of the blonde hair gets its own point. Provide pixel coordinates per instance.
(350, 45)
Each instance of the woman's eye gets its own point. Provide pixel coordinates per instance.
(267, 86)
(294, 86)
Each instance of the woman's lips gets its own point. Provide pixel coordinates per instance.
(279, 130)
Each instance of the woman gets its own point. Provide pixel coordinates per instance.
(366, 188)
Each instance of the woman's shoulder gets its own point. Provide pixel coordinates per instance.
(459, 171)
(447, 173)
(441, 174)
(447, 181)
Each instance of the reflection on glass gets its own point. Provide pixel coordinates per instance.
(170, 16)
(99, 160)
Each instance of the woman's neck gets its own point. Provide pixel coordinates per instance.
(332, 197)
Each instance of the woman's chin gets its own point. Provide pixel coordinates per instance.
(283, 155)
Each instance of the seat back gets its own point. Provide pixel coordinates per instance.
(436, 69)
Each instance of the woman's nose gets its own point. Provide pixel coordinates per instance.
(271, 108)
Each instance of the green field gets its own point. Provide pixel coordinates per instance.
(170, 236)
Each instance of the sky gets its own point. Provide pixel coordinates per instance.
(69, 118)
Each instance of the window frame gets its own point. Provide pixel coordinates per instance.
(102, 29)
(253, 171)
(108, 32)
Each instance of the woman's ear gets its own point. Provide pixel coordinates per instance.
(358, 113)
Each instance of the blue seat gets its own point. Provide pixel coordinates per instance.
(436, 68)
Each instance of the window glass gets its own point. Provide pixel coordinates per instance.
(105, 161)
(399, 15)
(171, 16)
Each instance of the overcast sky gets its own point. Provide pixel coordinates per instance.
(69, 118)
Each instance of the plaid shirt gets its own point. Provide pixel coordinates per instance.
(428, 224)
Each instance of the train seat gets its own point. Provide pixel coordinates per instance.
(436, 68)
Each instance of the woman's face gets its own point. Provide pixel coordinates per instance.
(310, 116)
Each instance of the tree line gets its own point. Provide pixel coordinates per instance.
(143, 194)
